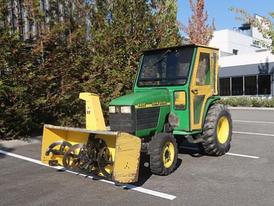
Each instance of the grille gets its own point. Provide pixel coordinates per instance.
(147, 118)
(140, 119)
(123, 122)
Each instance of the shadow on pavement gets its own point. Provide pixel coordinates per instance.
(184, 147)
(144, 169)
(145, 173)
(32, 139)
(4, 149)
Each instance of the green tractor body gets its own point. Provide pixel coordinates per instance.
(173, 99)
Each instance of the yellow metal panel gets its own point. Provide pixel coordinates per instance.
(73, 136)
(123, 147)
(198, 90)
(94, 115)
(180, 99)
(54, 134)
(127, 158)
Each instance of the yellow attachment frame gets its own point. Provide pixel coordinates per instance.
(94, 114)
(124, 148)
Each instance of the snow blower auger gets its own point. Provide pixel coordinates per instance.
(94, 150)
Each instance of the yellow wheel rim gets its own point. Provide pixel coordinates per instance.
(168, 154)
(223, 130)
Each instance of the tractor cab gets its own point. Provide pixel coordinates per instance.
(177, 85)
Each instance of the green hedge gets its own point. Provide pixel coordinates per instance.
(247, 102)
(40, 79)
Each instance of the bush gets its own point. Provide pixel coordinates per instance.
(267, 102)
(247, 102)
(244, 102)
(256, 102)
(232, 102)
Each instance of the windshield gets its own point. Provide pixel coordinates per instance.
(165, 68)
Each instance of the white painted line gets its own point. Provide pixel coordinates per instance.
(241, 155)
(232, 154)
(129, 186)
(251, 133)
(257, 122)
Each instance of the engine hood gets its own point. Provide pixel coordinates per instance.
(153, 97)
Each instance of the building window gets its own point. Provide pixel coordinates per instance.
(225, 86)
(250, 85)
(21, 20)
(264, 84)
(235, 52)
(237, 86)
(253, 85)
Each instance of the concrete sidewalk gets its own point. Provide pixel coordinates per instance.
(21, 142)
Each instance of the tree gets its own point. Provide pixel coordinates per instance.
(40, 78)
(198, 31)
(78, 46)
(119, 31)
(264, 25)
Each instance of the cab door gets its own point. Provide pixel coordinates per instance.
(203, 84)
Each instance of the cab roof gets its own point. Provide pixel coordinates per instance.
(182, 46)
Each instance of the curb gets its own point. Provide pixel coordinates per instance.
(251, 108)
(21, 142)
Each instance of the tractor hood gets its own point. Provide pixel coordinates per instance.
(153, 97)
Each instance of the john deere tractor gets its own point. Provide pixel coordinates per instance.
(173, 99)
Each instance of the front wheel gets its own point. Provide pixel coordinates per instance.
(217, 130)
(163, 154)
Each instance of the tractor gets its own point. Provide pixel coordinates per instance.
(174, 99)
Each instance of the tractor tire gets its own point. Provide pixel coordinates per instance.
(163, 154)
(217, 131)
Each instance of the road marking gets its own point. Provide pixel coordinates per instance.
(251, 133)
(126, 186)
(257, 122)
(232, 154)
(241, 155)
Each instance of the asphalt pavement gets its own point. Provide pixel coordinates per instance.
(244, 176)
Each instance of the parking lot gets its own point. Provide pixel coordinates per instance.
(244, 176)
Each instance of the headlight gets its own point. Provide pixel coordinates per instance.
(126, 109)
(111, 109)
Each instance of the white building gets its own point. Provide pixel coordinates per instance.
(247, 68)
(242, 40)
(20, 16)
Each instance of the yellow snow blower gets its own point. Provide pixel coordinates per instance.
(93, 150)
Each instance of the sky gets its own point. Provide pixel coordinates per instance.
(225, 19)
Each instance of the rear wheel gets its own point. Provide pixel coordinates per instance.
(217, 131)
(163, 154)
